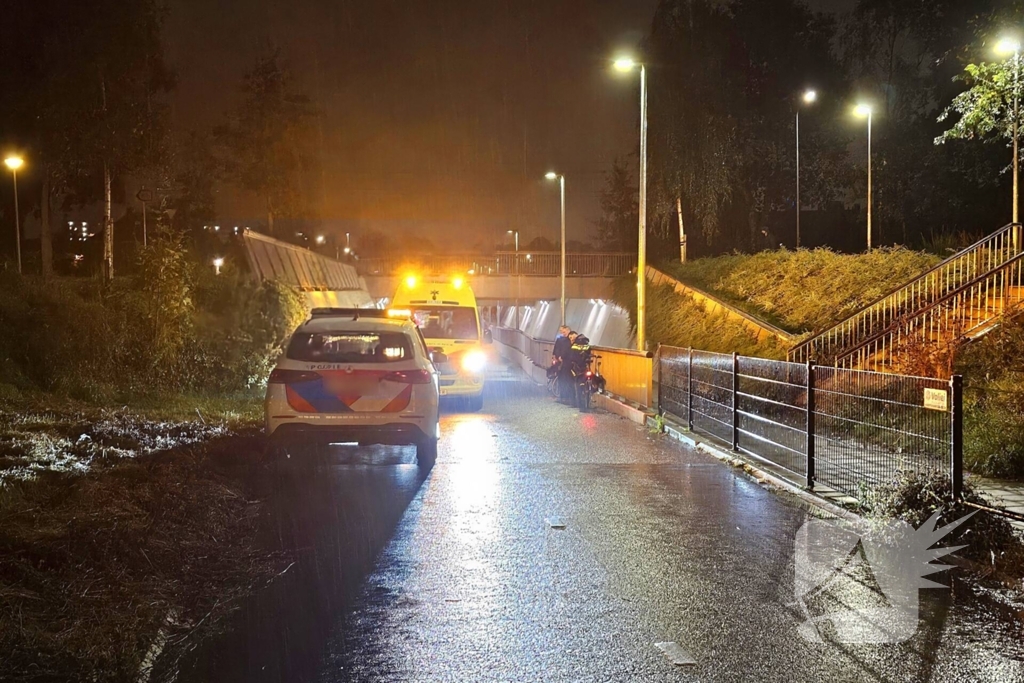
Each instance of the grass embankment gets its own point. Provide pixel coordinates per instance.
(805, 290)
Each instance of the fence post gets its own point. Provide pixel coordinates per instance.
(689, 390)
(656, 378)
(956, 414)
(810, 425)
(735, 391)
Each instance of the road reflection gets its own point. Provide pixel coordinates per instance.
(333, 521)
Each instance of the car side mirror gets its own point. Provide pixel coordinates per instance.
(488, 337)
(438, 358)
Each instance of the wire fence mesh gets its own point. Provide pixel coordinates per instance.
(848, 430)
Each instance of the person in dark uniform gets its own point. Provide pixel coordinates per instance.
(566, 389)
(558, 356)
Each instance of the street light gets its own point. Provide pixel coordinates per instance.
(551, 175)
(809, 97)
(320, 239)
(14, 162)
(1008, 46)
(516, 233)
(865, 111)
(625, 65)
(217, 264)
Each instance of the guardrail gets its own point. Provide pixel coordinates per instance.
(628, 374)
(849, 430)
(504, 263)
(271, 259)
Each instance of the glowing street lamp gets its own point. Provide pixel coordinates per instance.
(1011, 46)
(809, 97)
(551, 175)
(320, 239)
(865, 111)
(218, 263)
(15, 162)
(627, 65)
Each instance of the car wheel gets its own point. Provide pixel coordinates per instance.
(475, 404)
(426, 453)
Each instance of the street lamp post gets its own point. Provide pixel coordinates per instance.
(14, 163)
(516, 234)
(1012, 46)
(865, 110)
(551, 175)
(626, 64)
(809, 97)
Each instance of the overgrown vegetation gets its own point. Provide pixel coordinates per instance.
(94, 568)
(807, 289)
(993, 370)
(173, 328)
(678, 321)
(913, 498)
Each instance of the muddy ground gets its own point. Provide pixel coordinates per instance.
(122, 537)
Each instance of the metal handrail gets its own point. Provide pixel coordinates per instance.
(911, 298)
(900, 322)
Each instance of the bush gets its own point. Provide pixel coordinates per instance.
(914, 498)
(806, 289)
(165, 330)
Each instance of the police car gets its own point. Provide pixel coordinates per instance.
(355, 376)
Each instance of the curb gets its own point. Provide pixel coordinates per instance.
(617, 407)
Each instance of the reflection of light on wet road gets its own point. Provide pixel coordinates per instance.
(472, 468)
(472, 483)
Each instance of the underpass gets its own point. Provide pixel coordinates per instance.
(552, 545)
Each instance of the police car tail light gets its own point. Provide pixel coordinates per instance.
(292, 376)
(409, 377)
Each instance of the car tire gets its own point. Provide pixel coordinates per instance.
(426, 453)
(475, 404)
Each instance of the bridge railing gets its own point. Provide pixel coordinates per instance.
(628, 374)
(504, 263)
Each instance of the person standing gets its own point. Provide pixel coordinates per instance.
(559, 354)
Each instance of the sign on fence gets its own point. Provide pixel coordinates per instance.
(936, 399)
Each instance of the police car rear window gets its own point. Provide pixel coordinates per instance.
(350, 347)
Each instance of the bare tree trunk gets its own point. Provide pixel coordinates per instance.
(682, 230)
(45, 229)
(108, 228)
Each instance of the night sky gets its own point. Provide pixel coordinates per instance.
(439, 117)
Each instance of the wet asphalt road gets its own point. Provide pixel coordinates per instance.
(460, 577)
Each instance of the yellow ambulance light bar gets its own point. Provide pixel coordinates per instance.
(399, 313)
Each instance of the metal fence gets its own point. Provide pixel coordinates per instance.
(848, 430)
(541, 264)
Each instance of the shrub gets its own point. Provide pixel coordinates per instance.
(914, 498)
(165, 330)
(993, 370)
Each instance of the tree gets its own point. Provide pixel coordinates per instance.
(83, 85)
(269, 138)
(985, 109)
(723, 97)
(617, 227)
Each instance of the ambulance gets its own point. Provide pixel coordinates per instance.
(446, 313)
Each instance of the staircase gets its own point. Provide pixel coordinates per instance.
(959, 299)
